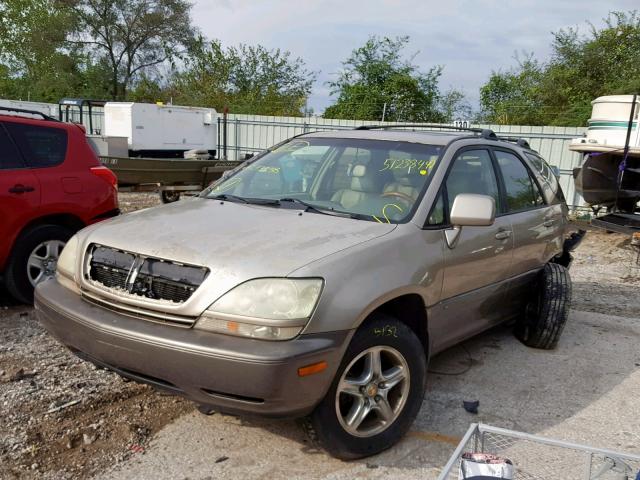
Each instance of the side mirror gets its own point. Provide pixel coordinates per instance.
(470, 210)
(556, 171)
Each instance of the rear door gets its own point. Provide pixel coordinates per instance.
(478, 265)
(44, 149)
(19, 193)
(533, 220)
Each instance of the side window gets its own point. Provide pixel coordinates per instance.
(41, 146)
(9, 155)
(521, 189)
(472, 172)
(546, 172)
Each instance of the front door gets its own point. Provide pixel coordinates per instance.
(19, 193)
(477, 266)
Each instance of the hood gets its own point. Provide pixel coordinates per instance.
(235, 241)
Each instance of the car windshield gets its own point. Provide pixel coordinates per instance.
(376, 180)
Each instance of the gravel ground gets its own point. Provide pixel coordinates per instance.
(63, 418)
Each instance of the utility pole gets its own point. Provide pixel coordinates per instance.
(384, 111)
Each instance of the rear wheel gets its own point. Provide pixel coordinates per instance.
(34, 259)
(547, 313)
(376, 394)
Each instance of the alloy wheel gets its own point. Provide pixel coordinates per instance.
(43, 260)
(372, 391)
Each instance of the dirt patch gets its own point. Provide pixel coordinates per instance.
(62, 417)
(606, 275)
(130, 202)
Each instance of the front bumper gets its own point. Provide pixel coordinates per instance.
(232, 374)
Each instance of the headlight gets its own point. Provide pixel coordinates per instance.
(65, 268)
(266, 308)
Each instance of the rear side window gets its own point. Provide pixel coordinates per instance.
(41, 146)
(521, 189)
(9, 156)
(545, 170)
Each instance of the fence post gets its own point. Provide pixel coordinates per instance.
(236, 134)
(224, 131)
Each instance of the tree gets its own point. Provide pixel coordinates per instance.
(35, 62)
(132, 36)
(605, 61)
(512, 97)
(247, 79)
(377, 81)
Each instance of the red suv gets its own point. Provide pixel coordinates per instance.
(51, 185)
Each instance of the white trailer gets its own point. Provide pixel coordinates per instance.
(163, 131)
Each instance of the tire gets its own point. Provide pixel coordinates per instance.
(17, 274)
(169, 196)
(546, 315)
(396, 343)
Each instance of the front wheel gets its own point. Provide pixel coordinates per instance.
(376, 394)
(34, 259)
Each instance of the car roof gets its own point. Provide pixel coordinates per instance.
(426, 137)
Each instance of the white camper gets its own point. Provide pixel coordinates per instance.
(165, 131)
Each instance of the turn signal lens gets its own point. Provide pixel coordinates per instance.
(311, 369)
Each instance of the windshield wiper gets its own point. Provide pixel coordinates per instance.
(328, 210)
(309, 206)
(231, 198)
(235, 198)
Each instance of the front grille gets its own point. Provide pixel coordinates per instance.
(147, 277)
(109, 276)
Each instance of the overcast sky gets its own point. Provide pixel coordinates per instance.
(469, 38)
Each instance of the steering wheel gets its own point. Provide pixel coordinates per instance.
(400, 195)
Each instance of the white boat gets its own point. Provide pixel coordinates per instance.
(604, 179)
(608, 125)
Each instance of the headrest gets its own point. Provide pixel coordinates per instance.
(358, 170)
(361, 180)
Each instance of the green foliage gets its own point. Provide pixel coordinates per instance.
(247, 79)
(377, 80)
(132, 36)
(606, 61)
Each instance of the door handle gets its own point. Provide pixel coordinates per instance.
(503, 234)
(19, 188)
(548, 223)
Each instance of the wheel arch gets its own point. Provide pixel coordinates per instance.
(407, 307)
(68, 220)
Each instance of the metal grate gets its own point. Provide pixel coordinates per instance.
(539, 458)
(148, 277)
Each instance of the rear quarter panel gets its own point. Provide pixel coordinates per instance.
(71, 187)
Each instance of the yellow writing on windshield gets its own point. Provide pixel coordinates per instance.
(409, 164)
(384, 212)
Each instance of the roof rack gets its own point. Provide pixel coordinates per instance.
(521, 142)
(30, 112)
(484, 132)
